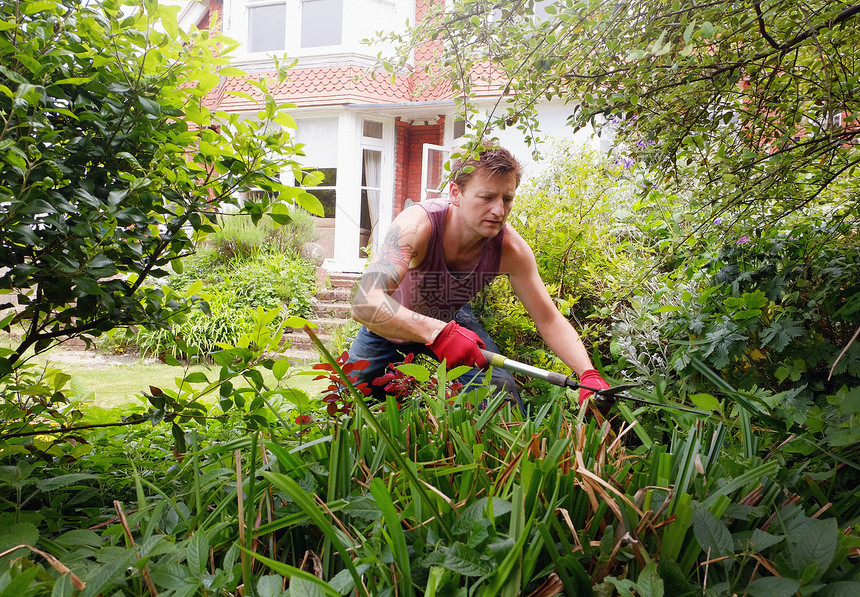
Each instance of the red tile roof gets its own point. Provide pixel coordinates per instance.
(339, 85)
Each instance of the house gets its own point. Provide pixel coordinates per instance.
(381, 144)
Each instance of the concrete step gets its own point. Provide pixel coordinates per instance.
(342, 280)
(340, 294)
(300, 339)
(325, 325)
(302, 356)
(331, 310)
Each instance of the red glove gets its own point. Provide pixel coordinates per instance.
(459, 345)
(592, 379)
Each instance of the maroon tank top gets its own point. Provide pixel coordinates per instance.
(431, 289)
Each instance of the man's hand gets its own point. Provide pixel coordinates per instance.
(459, 345)
(592, 379)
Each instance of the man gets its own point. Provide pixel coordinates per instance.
(436, 256)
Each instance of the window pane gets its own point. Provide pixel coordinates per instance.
(435, 170)
(371, 172)
(372, 129)
(319, 137)
(267, 27)
(322, 23)
(327, 198)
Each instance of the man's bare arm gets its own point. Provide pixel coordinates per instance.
(404, 245)
(518, 260)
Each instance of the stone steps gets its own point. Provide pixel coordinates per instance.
(331, 311)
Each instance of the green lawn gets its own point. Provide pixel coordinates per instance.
(110, 381)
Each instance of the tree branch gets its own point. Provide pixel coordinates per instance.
(773, 43)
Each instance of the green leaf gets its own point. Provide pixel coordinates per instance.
(419, 372)
(196, 377)
(107, 575)
(198, 552)
(711, 534)
(298, 323)
(178, 438)
(668, 309)
(688, 32)
(363, 508)
(31, 8)
(299, 587)
(465, 560)
(53, 483)
(79, 537)
(271, 585)
(478, 511)
(649, 583)
(280, 213)
(19, 533)
(760, 540)
(149, 106)
(396, 538)
(773, 586)
(171, 576)
(817, 544)
(63, 587)
(73, 81)
(280, 368)
(310, 203)
(781, 332)
(706, 402)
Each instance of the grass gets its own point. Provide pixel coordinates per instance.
(110, 381)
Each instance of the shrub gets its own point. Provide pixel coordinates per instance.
(233, 292)
(239, 237)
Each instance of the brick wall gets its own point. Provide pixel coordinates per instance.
(409, 145)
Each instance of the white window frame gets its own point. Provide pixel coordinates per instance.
(426, 189)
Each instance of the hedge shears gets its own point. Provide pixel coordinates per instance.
(602, 398)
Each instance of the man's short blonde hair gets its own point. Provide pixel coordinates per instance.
(492, 161)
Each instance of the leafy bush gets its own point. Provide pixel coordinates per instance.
(238, 237)
(232, 293)
(779, 308)
(111, 163)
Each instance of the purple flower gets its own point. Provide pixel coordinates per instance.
(743, 240)
(718, 221)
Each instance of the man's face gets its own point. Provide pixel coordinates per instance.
(485, 202)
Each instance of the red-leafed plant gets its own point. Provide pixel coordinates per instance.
(337, 398)
(399, 383)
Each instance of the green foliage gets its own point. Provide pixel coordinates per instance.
(232, 292)
(432, 498)
(238, 237)
(112, 164)
(738, 102)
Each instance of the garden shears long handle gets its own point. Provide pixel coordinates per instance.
(603, 397)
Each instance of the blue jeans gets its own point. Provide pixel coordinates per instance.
(380, 352)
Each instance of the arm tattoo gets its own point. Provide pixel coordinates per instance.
(382, 273)
(394, 255)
